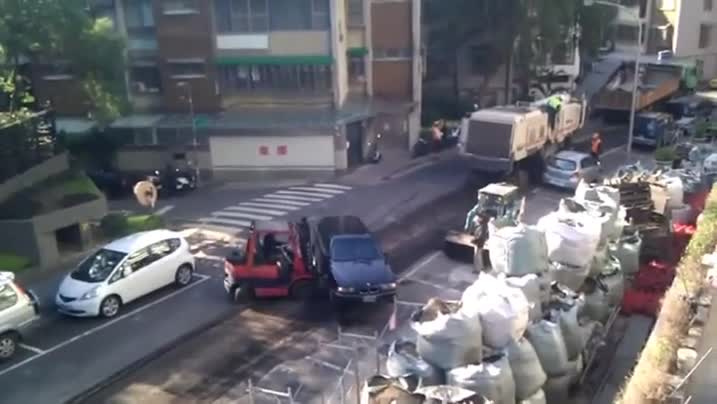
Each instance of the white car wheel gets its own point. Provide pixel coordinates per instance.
(184, 275)
(8, 345)
(110, 306)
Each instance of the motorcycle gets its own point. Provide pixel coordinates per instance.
(172, 181)
(426, 143)
(374, 154)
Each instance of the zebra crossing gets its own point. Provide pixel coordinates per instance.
(233, 220)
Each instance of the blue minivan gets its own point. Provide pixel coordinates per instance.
(654, 129)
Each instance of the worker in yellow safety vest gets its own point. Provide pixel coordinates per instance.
(554, 103)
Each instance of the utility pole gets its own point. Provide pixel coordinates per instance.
(195, 144)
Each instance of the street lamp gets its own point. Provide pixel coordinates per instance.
(638, 53)
(188, 87)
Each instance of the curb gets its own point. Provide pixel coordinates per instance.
(140, 363)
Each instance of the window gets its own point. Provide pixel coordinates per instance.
(707, 5)
(139, 17)
(59, 70)
(242, 16)
(187, 69)
(705, 36)
(159, 250)
(357, 70)
(179, 7)
(174, 244)
(320, 14)
(355, 12)
(139, 260)
(98, 267)
(145, 79)
(275, 79)
(588, 162)
(392, 54)
(8, 297)
(144, 137)
(179, 136)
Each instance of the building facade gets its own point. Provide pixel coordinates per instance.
(687, 28)
(242, 85)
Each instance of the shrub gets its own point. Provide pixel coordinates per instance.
(71, 200)
(665, 154)
(139, 223)
(114, 225)
(118, 225)
(13, 263)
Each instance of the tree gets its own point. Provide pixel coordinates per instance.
(46, 31)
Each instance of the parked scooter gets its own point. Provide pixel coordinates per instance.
(434, 142)
(172, 180)
(374, 153)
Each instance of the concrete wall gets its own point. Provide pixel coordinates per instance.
(18, 237)
(687, 34)
(35, 175)
(151, 158)
(275, 43)
(338, 50)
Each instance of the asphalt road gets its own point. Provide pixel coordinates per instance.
(68, 356)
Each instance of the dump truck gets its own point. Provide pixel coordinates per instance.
(503, 138)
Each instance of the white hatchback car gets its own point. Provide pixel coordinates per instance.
(125, 270)
(18, 308)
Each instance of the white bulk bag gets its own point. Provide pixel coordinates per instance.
(446, 395)
(380, 389)
(447, 338)
(596, 307)
(531, 287)
(518, 250)
(572, 334)
(537, 398)
(567, 275)
(548, 342)
(493, 381)
(570, 238)
(599, 260)
(710, 163)
(504, 311)
(675, 190)
(576, 369)
(525, 365)
(605, 214)
(628, 253)
(403, 360)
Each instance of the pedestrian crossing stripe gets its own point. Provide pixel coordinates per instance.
(256, 210)
(293, 197)
(307, 194)
(225, 221)
(267, 199)
(241, 215)
(334, 186)
(269, 205)
(320, 190)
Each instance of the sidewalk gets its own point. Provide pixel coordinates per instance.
(703, 386)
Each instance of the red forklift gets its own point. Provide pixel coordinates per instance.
(273, 263)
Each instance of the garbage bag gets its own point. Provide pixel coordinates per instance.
(628, 253)
(576, 369)
(613, 283)
(596, 305)
(548, 342)
(557, 389)
(448, 395)
(675, 190)
(403, 360)
(447, 337)
(570, 327)
(568, 275)
(493, 380)
(504, 311)
(598, 262)
(384, 390)
(531, 287)
(525, 365)
(518, 250)
(537, 398)
(571, 238)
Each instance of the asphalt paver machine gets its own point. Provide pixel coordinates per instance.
(497, 200)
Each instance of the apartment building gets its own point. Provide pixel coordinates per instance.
(687, 28)
(271, 84)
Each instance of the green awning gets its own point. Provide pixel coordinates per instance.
(357, 51)
(275, 60)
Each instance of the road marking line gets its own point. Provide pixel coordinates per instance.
(294, 198)
(164, 210)
(419, 265)
(218, 229)
(344, 187)
(241, 215)
(202, 279)
(321, 190)
(219, 220)
(309, 194)
(278, 199)
(427, 283)
(256, 210)
(270, 205)
(31, 348)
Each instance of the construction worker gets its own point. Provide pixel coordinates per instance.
(554, 103)
(596, 146)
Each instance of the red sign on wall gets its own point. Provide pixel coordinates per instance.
(264, 150)
(281, 150)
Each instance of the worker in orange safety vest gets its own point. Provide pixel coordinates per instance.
(596, 146)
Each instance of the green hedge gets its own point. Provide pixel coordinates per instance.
(13, 263)
(118, 225)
